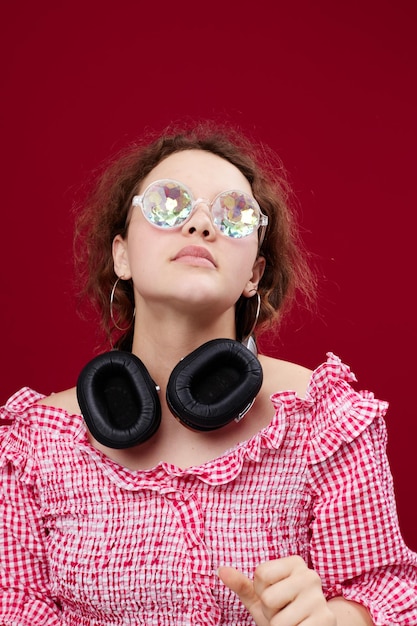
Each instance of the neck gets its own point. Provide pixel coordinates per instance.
(162, 341)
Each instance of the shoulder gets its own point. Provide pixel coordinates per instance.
(329, 379)
(282, 375)
(27, 399)
(63, 400)
(334, 412)
(33, 426)
(30, 415)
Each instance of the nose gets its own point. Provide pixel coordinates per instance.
(200, 221)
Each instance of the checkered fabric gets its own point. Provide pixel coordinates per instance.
(86, 542)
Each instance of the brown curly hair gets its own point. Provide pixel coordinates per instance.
(104, 214)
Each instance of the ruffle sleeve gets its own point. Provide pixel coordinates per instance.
(356, 543)
(25, 598)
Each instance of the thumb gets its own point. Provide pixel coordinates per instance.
(241, 585)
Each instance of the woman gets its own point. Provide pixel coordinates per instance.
(283, 516)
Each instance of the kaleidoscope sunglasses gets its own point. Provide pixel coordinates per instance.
(169, 204)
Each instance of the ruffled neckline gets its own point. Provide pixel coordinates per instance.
(218, 471)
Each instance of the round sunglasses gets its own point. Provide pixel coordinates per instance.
(169, 204)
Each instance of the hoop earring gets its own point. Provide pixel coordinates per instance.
(111, 309)
(249, 340)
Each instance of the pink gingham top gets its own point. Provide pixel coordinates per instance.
(86, 542)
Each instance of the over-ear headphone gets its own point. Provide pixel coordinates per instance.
(213, 385)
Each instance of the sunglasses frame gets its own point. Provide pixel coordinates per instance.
(137, 200)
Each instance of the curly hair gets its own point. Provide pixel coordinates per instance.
(104, 214)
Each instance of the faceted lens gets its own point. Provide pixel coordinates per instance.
(235, 214)
(166, 204)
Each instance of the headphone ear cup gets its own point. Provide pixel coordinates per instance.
(118, 400)
(213, 385)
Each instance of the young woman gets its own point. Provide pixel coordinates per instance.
(271, 509)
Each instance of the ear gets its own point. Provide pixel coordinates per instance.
(120, 258)
(257, 273)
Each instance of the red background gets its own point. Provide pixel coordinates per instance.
(330, 86)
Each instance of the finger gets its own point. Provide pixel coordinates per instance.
(272, 572)
(243, 588)
(277, 597)
(240, 584)
(300, 616)
(295, 599)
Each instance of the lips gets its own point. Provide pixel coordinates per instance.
(195, 255)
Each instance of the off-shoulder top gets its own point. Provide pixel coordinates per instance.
(87, 542)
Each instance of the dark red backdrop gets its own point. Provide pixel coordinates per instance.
(330, 86)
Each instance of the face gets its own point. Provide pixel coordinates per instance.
(194, 267)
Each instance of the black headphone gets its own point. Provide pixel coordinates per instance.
(213, 385)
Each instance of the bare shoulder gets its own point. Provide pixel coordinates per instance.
(282, 375)
(66, 400)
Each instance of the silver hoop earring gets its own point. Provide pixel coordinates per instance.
(111, 309)
(249, 340)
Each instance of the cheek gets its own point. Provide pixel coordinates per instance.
(143, 243)
(243, 255)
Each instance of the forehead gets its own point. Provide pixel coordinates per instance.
(205, 173)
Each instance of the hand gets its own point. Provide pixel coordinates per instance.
(284, 592)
